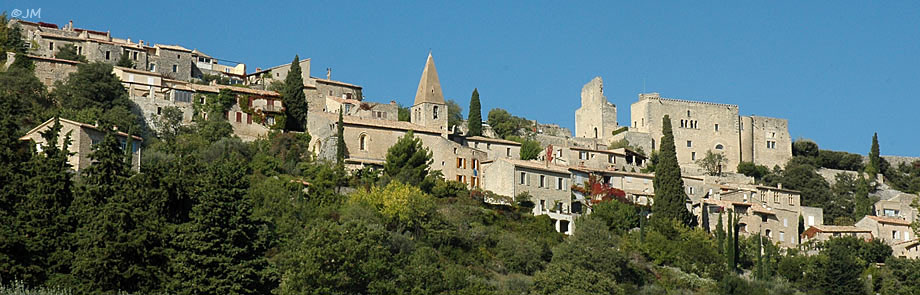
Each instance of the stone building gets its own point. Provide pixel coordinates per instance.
(821, 233)
(495, 148)
(48, 70)
(699, 127)
(898, 206)
(889, 230)
(772, 212)
(83, 137)
(170, 61)
(597, 117)
(368, 138)
(317, 90)
(548, 185)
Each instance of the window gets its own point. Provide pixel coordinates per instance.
(582, 155)
(183, 96)
(249, 119)
(768, 233)
(108, 54)
(159, 111)
(719, 146)
(611, 159)
(153, 67)
(51, 46)
(475, 165)
(435, 113)
(507, 152)
(489, 146)
(693, 156)
(771, 144)
(689, 143)
(785, 222)
(270, 120)
(811, 220)
(175, 68)
(239, 117)
(124, 145)
(542, 205)
(717, 127)
(895, 234)
(688, 113)
(542, 181)
(560, 183)
(178, 56)
(362, 142)
(782, 236)
(459, 162)
(690, 189)
(523, 178)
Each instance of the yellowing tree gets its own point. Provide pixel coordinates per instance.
(398, 202)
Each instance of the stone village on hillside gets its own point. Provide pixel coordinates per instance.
(163, 77)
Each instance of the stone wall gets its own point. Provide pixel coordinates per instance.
(772, 144)
(52, 70)
(597, 117)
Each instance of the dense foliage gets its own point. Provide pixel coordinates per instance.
(210, 214)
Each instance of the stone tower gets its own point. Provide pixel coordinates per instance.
(597, 117)
(429, 109)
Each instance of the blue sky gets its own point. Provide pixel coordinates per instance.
(838, 70)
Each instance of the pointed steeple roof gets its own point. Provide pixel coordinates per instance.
(429, 87)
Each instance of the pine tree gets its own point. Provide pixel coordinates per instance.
(474, 119)
(407, 161)
(221, 250)
(670, 199)
(341, 151)
(295, 101)
(125, 61)
(11, 177)
(874, 159)
(69, 52)
(44, 212)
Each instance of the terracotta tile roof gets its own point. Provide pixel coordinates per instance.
(71, 122)
(538, 166)
(399, 125)
(217, 88)
(889, 220)
(840, 229)
(340, 83)
(494, 140)
(173, 47)
(53, 59)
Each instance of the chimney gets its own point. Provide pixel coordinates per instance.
(779, 185)
(328, 73)
(392, 102)
(70, 26)
(258, 69)
(141, 43)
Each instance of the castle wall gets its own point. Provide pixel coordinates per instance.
(697, 127)
(597, 117)
(772, 144)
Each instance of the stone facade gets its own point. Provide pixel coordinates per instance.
(51, 70)
(548, 185)
(889, 230)
(597, 117)
(699, 127)
(83, 137)
(821, 233)
(494, 148)
(769, 211)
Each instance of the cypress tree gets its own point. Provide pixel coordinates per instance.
(44, 212)
(295, 101)
(474, 119)
(730, 243)
(801, 229)
(340, 149)
(720, 234)
(221, 250)
(670, 199)
(735, 252)
(759, 274)
(874, 159)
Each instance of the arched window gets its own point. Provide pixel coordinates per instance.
(362, 142)
(769, 233)
(719, 146)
